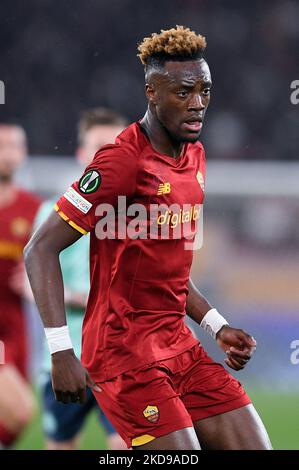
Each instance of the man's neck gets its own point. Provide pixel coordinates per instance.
(159, 137)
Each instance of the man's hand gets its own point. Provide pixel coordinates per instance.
(238, 346)
(69, 378)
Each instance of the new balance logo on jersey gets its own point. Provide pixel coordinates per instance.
(164, 188)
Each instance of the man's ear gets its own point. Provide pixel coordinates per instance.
(151, 93)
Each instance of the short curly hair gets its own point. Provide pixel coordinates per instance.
(178, 43)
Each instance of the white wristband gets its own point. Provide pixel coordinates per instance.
(58, 339)
(212, 322)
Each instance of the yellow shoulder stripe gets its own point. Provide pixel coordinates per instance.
(70, 222)
(80, 229)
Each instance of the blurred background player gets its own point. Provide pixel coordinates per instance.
(17, 211)
(62, 424)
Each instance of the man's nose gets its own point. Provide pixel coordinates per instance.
(196, 102)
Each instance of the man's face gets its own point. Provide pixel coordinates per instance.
(13, 150)
(180, 95)
(94, 138)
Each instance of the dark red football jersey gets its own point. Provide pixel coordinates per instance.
(16, 221)
(136, 307)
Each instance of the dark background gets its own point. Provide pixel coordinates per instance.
(57, 57)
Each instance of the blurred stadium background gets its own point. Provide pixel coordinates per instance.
(60, 58)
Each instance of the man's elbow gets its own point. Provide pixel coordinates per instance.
(32, 249)
(28, 250)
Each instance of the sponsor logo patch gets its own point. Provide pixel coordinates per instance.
(77, 200)
(90, 182)
(151, 413)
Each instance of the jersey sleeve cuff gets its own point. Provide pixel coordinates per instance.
(69, 221)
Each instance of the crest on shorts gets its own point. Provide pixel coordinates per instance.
(151, 413)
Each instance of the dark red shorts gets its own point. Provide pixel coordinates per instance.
(169, 395)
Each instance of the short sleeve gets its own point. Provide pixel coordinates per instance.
(112, 173)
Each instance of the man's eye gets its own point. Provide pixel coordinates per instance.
(182, 94)
(207, 91)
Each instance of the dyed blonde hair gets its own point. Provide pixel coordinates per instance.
(178, 43)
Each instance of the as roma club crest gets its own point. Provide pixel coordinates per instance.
(200, 180)
(151, 413)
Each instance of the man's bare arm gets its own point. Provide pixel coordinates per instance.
(236, 343)
(41, 256)
(197, 305)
